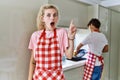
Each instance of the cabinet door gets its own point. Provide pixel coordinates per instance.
(104, 17)
(71, 9)
(114, 52)
(74, 74)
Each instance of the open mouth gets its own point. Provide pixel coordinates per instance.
(52, 23)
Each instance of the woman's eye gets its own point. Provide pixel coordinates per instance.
(55, 15)
(48, 15)
(52, 15)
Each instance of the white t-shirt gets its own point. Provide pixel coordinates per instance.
(96, 42)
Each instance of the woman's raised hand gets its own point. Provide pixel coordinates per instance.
(72, 30)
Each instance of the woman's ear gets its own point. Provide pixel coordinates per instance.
(89, 28)
(41, 18)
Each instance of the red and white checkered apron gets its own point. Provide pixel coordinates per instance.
(89, 66)
(48, 59)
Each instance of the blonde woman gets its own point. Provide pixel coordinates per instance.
(48, 44)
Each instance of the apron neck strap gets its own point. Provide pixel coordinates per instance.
(43, 33)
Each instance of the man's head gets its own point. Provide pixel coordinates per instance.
(95, 22)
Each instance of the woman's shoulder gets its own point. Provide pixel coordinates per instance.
(36, 33)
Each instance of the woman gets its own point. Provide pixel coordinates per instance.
(48, 44)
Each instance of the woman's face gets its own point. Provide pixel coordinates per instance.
(50, 18)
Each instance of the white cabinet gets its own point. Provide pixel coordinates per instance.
(110, 20)
(73, 70)
(110, 26)
(114, 52)
(74, 74)
(104, 17)
(71, 9)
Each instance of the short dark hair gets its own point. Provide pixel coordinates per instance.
(95, 22)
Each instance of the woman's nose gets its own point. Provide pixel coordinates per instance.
(52, 17)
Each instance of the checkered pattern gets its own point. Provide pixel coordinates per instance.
(89, 66)
(100, 58)
(48, 59)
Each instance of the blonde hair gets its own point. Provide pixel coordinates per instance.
(40, 24)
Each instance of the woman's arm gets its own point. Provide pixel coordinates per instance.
(70, 49)
(105, 49)
(78, 47)
(71, 37)
(31, 66)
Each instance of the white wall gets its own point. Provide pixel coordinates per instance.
(17, 22)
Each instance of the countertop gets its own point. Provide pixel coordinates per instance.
(68, 64)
